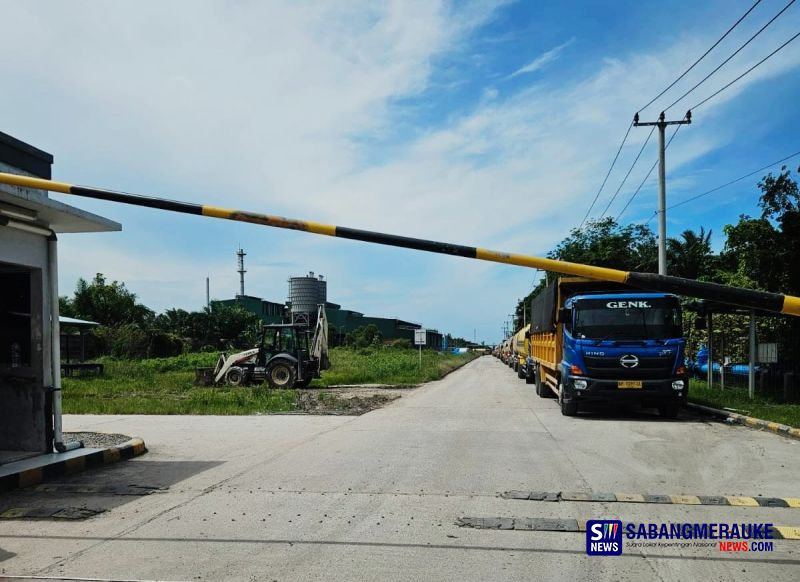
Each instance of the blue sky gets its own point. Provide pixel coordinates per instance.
(482, 123)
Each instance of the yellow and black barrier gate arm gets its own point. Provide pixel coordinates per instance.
(736, 296)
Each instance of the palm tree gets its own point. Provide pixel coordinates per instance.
(691, 256)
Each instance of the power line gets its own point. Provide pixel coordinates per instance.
(704, 55)
(736, 52)
(653, 167)
(610, 202)
(717, 92)
(614, 161)
(725, 185)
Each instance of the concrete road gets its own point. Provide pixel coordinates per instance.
(376, 497)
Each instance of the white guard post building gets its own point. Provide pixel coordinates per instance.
(30, 367)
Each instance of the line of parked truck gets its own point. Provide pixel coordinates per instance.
(591, 342)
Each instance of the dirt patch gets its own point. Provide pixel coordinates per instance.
(347, 400)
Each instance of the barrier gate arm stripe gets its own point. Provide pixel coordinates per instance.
(749, 298)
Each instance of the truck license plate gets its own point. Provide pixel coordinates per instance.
(629, 384)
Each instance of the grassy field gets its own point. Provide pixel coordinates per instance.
(165, 385)
(737, 399)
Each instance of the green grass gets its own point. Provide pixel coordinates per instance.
(737, 399)
(165, 385)
(389, 366)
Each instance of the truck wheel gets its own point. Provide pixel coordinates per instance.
(542, 389)
(520, 372)
(281, 375)
(669, 410)
(529, 377)
(567, 408)
(234, 377)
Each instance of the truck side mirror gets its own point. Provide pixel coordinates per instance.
(564, 315)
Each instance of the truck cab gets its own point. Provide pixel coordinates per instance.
(592, 342)
(624, 347)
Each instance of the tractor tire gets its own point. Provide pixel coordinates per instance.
(234, 376)
(281, 374)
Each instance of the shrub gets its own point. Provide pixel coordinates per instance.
(163, 345)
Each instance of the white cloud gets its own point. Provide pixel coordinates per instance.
(266, 106)
(544, 59)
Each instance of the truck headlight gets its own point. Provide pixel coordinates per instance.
(677, 385)
(579, 384)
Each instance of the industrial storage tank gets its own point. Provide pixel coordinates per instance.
(306, 293)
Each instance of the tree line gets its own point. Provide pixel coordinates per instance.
(129, 329)
(759, 252)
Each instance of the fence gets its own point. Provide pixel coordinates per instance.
(777, 354)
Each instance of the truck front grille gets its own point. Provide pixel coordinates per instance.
(649, 368)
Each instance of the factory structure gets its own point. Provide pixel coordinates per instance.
(306, 293)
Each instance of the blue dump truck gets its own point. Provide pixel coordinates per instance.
(594, 341)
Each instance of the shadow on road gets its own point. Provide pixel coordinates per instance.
(601, 411)
(100, 490)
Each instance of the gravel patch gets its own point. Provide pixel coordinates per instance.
(98, 440)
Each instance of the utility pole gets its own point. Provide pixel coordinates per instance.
(661, 124)
(208, 293)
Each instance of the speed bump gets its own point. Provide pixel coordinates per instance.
(719, 500)
(546, 524)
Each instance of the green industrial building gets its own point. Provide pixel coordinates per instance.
(268, 311)
(343, 320)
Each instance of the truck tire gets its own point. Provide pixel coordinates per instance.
(668, 410)
(529, 376)
(567, 408)
(520, 372)
(234, 376)
(281, 374)
(542, 389)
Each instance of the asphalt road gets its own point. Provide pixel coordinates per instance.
(377, 497)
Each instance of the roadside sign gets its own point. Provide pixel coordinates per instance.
(420, 337)
(767, 353)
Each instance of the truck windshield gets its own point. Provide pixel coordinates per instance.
(627, 319)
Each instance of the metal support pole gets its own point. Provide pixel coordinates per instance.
(751, 374)
(722, 360)
(710, 328)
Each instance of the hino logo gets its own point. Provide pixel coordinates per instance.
(626, 304)
(629, 361)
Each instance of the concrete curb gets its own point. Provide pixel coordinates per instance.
(26, 478)
(752, 422)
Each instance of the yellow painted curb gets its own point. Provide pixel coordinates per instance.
(30, 477)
